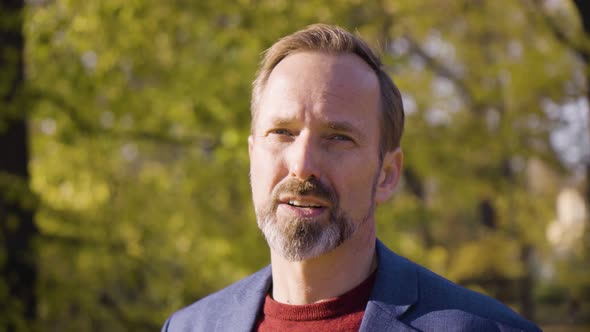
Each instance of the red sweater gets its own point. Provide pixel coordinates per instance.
(342, 313)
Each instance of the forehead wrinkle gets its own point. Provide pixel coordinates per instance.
(336, 87)
(326, 96)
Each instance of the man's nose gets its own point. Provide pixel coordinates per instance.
(303, 158)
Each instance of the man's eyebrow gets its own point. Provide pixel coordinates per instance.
(339, 126)
(344, 127)
(281, 122)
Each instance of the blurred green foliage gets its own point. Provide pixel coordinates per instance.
(139, 117)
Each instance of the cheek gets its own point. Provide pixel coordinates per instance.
(355, 185)
(264, 172)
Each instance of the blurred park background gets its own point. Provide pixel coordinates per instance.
(124, 191)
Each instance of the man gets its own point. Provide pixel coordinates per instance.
(324, 150)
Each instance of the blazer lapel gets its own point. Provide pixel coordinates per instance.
(395, 291)
(379, 318)
(241, 315)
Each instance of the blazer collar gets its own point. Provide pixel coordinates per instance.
(248, 301)
(395, 291)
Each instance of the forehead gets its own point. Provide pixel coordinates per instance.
(321, 85)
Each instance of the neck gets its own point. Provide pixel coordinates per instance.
(327, 276)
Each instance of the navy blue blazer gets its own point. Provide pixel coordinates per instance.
(405, 297)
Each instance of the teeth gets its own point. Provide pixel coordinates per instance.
(301, 204)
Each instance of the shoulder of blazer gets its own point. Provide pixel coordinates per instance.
(444, 300)
(439, 303)
(238, 302)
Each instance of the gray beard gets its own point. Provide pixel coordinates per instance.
(298, 239)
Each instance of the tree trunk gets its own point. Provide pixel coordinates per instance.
(17, 229)
(527, 302)
(583, 7)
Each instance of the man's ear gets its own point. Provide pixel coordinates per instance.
(389, 175)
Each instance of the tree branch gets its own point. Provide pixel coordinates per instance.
(86, 128)
(581, 49)
(443, 71)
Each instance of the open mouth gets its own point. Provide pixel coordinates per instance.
(306, 207)
(299, 204)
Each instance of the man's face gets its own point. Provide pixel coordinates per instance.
(314, 153)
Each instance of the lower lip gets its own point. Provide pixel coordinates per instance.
(302, 212)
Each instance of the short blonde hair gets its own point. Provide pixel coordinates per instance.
(333, 39)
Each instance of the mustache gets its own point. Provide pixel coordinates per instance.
(309, 187)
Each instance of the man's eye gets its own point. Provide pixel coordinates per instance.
(281, 132)
(338, 137)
